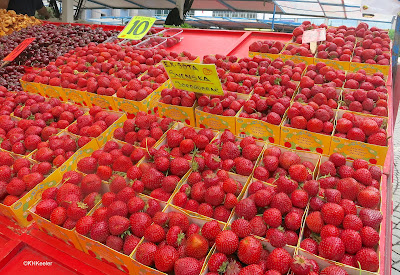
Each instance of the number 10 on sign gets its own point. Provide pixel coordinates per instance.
(137, 27)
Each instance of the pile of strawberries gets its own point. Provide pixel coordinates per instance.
(267, 46)
(106, 68)
(295, 49)
(269, 109)
(19, 176)
(322, 73)
(229, 153)
(66, 204)
(359, 182)
(368, 102)
(121, 222)
(275, 163)
(144, 130)
(175, 242)
(57, 149)
(344, 235)
(94, 123)
(186, 141)
(361, 128)
(288, 71)
(314, 118)
(210, 194)
(319, 95)
(360, 80)
(227, 105)
(178, 97)
(339, 48)
(113, 157)
(238, 82)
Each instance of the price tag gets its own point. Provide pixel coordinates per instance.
(137, 27)
(198, 78)
(19, 49)
(314, 35)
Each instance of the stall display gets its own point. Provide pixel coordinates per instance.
(285, 173)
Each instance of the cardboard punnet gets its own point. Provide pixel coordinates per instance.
(242, 179)
(104, 253)
(218, 122)
(78, 97)
(148, 105)
(199, 220)
(300, 139)
(350, 163)
(353, 149)
(32, 87)
(66, 235)
(178, 113)
(54, 92)
(103, 101)
(369, 68)
(19, 210)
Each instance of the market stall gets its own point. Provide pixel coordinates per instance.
(107, 166)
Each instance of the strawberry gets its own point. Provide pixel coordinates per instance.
(175, 236)
(196, 246)
(217, 262)
(165, 258)
(16, 187)
(300, 265)
(368, 259)
(130, 242)
(282, 202)
(84, 225)
(369, 236)
(92, 199)
(279, 259)
(179, 166)
(58, 215)
(332, 213)
(99, 231)
(309, 245)
(187, 266)
(272, 217)
(241, 228)
(246, 208)
(118, 225)
(352, 221)
(91, 183)
(370, 217)
(114, 242)
(87, 165)
(315, 221)
(179, 219)
(293, 221)
(331, 248)
(77, 210)
(210, 230)
(152, 178)
(45, 207)
(227, 242)
(145, 253)
(139, 222)
(369, 197)
(351, 240)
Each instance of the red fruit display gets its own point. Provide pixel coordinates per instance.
(367, 102)
(367, 129)
(224, 153)
(227, 105)
(314, 118)
(178, 97)
(215, 196)
(298, 49)
(144, 130)
(267, 46)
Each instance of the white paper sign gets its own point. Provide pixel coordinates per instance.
(314, 35)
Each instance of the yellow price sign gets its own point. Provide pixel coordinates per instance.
(198, 78)
(137, 27)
